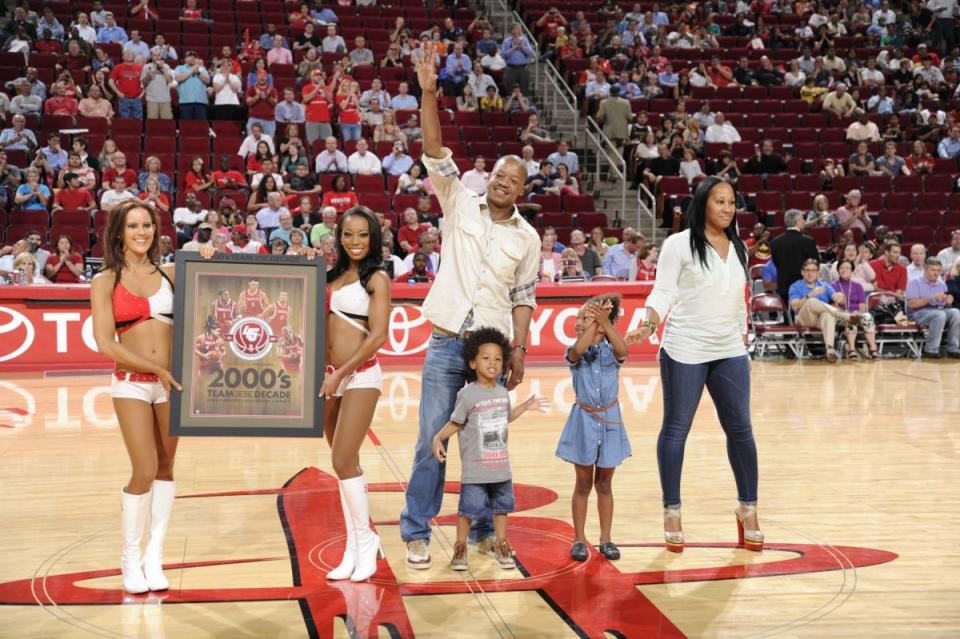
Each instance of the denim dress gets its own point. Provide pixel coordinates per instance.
(594, 432)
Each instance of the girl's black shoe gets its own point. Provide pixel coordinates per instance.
(610, 551)
(579, 551)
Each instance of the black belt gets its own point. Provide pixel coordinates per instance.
(517, 66)
(442, 332)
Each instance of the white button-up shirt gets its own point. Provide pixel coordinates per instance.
(366, 164)
(490, 267)
(724, 133)
(475, 181)
(707, 307)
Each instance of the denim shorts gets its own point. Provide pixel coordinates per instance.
(474, 498)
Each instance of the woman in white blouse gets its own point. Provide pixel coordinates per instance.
(701, 275)
(795, 77)
(226, 93)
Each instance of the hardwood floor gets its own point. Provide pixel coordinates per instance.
(859, 486)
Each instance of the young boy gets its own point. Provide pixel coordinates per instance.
(480, 416)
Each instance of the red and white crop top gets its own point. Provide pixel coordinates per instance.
(130, 310)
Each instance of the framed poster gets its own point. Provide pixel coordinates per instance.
(248, 345)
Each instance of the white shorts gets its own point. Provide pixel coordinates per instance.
(149, 392)
(368, 378)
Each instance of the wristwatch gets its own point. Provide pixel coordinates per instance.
(522, 348)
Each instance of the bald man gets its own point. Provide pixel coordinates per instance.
(487, 279)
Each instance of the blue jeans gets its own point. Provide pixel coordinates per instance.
(476, 499)
(444, 374)
(130, 108)
(936, 320)
(269, 126)
(193, 111)
(728, 381)
(350, 131)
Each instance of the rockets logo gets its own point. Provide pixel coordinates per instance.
(251, 338)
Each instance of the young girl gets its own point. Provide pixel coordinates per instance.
(594, 439)
(480, 416)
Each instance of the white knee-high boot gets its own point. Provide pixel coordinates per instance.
(368, 543)
(161, 505)
(133, 519)
(349, 561)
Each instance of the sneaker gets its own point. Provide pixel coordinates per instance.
(459, 561)
(487, 547)
(505, 555)
(418, 554)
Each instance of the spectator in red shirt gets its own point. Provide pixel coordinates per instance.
(891, 274)
(64, 266)
(255, 159)
(46, 43)
(155, 197)
(721, 75)
(58, 103)
(340, 196)
(261, 103)
(647, 263)
(144, 11)
(119, 162)
(73, 196)
(197, 178)
(228, 179)
(191, 13)
(226, 53)
(419, 273)
(348, 103)
(125, 82)
(316, 102)
(548, 23)
(408, 235)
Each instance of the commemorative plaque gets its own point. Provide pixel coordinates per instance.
(248, 346)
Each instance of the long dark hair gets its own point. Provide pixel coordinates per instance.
(262, 191)
(112, 238)
(372, 261)
(696, 221)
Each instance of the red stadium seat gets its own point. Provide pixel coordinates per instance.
(578, 203)
(368, 184)
(769, 201)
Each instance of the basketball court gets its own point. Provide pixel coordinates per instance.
(859, 485)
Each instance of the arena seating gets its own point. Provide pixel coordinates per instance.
(177, 142)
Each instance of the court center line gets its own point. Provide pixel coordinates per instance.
(473, 585)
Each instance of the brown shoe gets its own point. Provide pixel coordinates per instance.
(459, 561)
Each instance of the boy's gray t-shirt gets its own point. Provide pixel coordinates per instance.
(485, 414)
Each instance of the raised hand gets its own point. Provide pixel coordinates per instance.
(427, 67)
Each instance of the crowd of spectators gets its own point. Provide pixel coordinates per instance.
(658, 77)
(321, 124)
